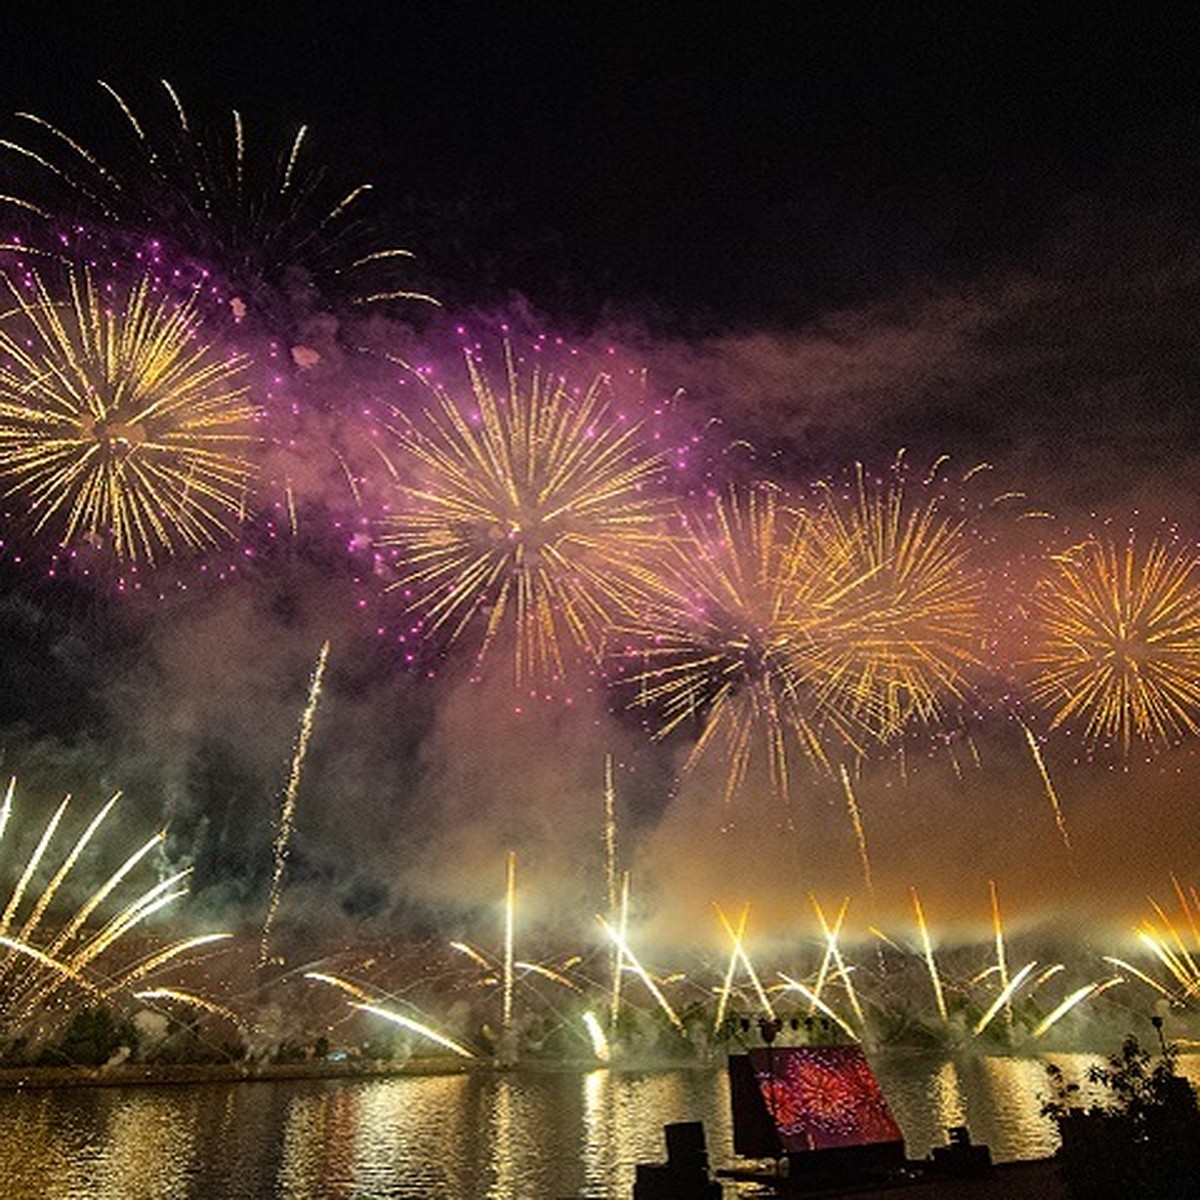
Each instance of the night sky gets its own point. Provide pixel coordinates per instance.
(836, 234)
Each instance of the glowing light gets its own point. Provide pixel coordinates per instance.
(934, 978)
(416, 1027)
(903, 605)
(118, 425)
(725, 641)
(287, 812)
(265, 219)
(1117, 643)
(532, 511)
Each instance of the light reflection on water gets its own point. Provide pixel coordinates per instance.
(520, 1135)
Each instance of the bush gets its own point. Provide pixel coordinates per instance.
(1143, 1141)
(94, 1037)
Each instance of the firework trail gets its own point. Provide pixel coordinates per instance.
(934, 978)
(362, 1000)
(610, 839)
(998, 933)
(619, 938)
(118, 424)
(738, 954)
(622, 928)
(1004, 999)
(416, 1027)
(1117, 643)
(1075, 998)
(816, 1003)
(531, 511)
(860, 836)
(264, 216)
(287, 810)
(833, 954)
(34, 974)
(1059, 818)
(510, 915)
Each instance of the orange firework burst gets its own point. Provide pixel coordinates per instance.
(902, 604)
(533, 509)
(117, 424)
(728, 639)
(1117, 643)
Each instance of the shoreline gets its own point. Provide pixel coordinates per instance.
(129, 1074)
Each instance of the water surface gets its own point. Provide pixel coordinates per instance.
(516, 1135)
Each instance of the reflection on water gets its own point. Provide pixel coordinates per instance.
(476, 1136)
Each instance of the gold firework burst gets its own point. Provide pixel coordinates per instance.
(728, 640)
(1117, 643)
(902, 604)
(118, 424)
(533, 510)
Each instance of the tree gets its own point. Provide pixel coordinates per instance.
(1142, 1141)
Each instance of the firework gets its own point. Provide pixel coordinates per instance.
(42, 971)
(1004, 999)
(266, 217)
(726, 641)
(737, 955)
(119, 426)
(510, 913)
(1117, 643)
(532, 510)
(902, 604)
(622, 944)
(934, 977)
(287, 811)
(1074, 999)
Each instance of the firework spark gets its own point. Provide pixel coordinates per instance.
(930, 962)
(287, 811)
(1117, 643)
(726, 641)
(533, 510)
(1060, 819)
(903, 603)
(264, 216)
(118, 424)
(42, 971)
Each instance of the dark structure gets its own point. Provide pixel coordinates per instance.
(685, 1175)
(818, 1113)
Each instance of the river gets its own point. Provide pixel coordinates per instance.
(525, 1134)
